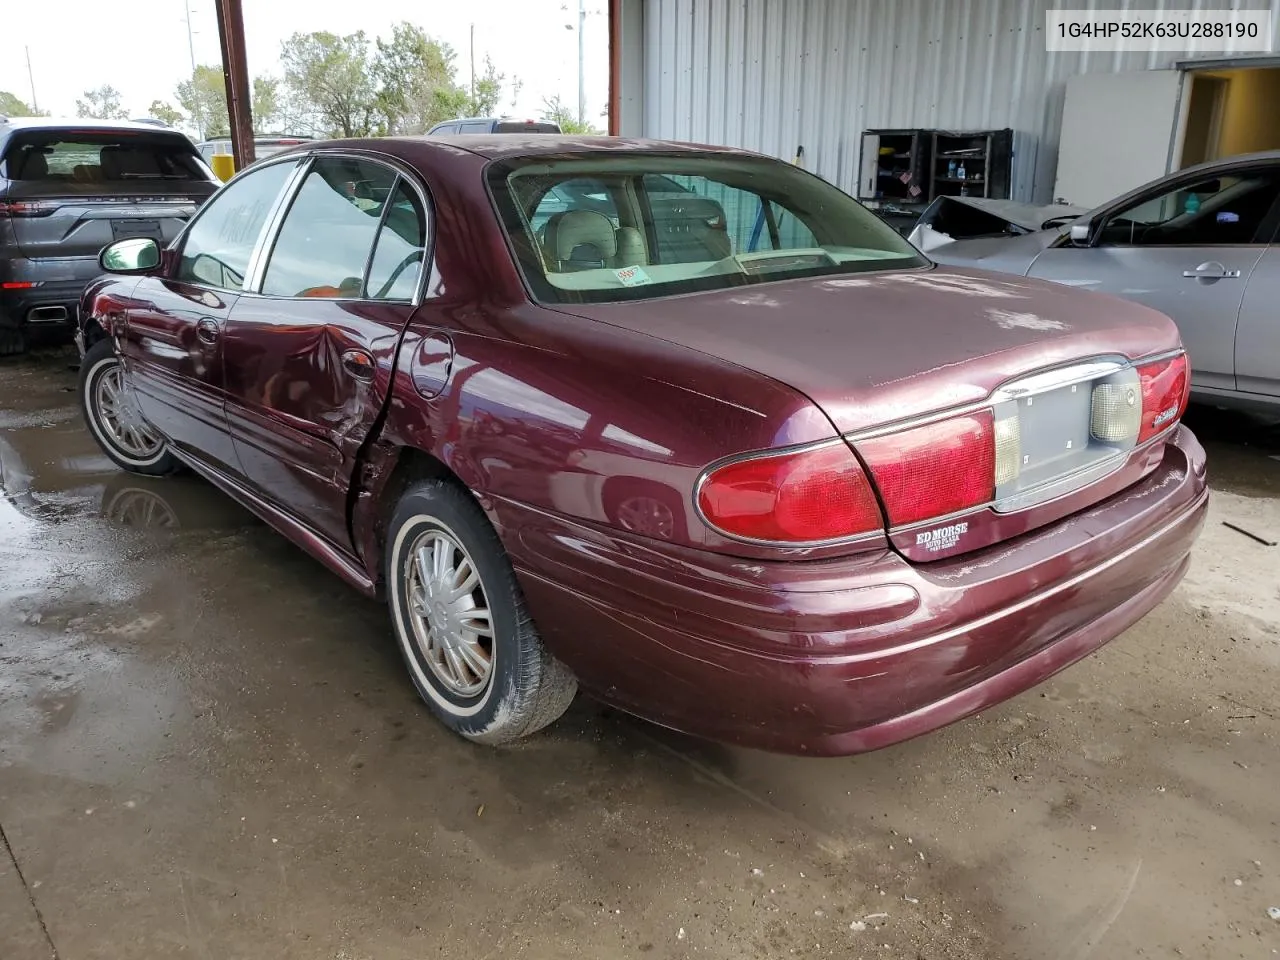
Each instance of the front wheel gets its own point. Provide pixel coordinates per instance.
(460, 621)
(114, 419)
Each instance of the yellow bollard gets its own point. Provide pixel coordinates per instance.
(224, 165)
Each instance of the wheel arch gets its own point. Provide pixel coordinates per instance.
(390, 470)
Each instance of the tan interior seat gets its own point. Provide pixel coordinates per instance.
(580, 240)
(631, 252)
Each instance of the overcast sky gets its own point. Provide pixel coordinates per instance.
(140, 46)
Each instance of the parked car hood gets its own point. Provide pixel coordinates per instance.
(875, 348)
(1002, 254)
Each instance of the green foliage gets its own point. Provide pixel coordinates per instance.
(488, 93)
(166, 112)
(332, 81)
(267, 108)
(102, 103)
(402, 84)
(555, 111)
(11, 106)
(204, 98)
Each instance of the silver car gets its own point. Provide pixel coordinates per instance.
(1199, 245)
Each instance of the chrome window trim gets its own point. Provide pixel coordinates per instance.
(404, 174)
(180, 241)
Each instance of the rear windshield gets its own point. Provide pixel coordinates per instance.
(599, 228)
(519, 126)
(102, 157)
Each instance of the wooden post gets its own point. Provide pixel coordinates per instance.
(235, 71)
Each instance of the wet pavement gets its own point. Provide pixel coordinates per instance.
(209, 748)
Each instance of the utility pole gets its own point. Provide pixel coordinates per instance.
(35, 107)
(473, 66)
(582, 95)
(191, 49)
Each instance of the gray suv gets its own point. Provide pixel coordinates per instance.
(67, 189)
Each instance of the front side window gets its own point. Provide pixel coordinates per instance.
(219, 243)
(1218, 210)
(594, 228)
(324, 243)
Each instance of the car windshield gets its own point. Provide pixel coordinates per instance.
(76, 156)
(598, 228)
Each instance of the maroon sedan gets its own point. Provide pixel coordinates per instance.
(686, 427)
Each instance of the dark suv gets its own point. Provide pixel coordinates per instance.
(67, 189)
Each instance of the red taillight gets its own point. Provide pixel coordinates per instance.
(27, 208)
(799, 497)
(20, 284)
(934, 470)
(1166, 385)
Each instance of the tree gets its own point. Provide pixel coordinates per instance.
(102, 103)
(488, 92)
(554, 111)
(162, 110)
(11, 106)
(204, 97)
(416, 81)
(267, 108)
(331, 79)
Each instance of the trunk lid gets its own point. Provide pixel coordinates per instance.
(873, 351)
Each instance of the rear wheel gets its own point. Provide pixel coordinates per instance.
(460, 621)
(114, 418)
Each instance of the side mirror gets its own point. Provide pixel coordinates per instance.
(130, 255)
(1079, 234)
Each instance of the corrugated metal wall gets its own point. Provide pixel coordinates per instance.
(770, 75)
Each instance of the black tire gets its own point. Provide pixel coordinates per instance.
(99, 361)
(527, 688)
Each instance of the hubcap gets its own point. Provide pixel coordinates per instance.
(120, 418)
(452, 624)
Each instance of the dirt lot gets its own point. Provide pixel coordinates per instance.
(209, 749)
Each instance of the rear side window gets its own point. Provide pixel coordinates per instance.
(401, 250)
(327, 236)
(475, 126)
(219, 244)
(102, 157)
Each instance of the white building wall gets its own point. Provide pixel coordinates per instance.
(771, 75)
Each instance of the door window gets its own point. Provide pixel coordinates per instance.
(324, 243)
(401, 248)
(220, 242)
(476, 126)
(1227, 209)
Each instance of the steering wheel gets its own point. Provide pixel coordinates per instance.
(405, 264)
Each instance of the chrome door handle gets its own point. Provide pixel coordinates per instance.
(1211, 270)
(359, 364)
(207, 331)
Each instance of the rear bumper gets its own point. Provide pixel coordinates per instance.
(59, 282)
(848, 655)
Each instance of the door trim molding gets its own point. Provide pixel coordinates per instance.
(337, 560)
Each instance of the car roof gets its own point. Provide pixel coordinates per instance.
(79, 123)
(496, 146)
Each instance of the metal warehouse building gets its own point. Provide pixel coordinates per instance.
(776, 75)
